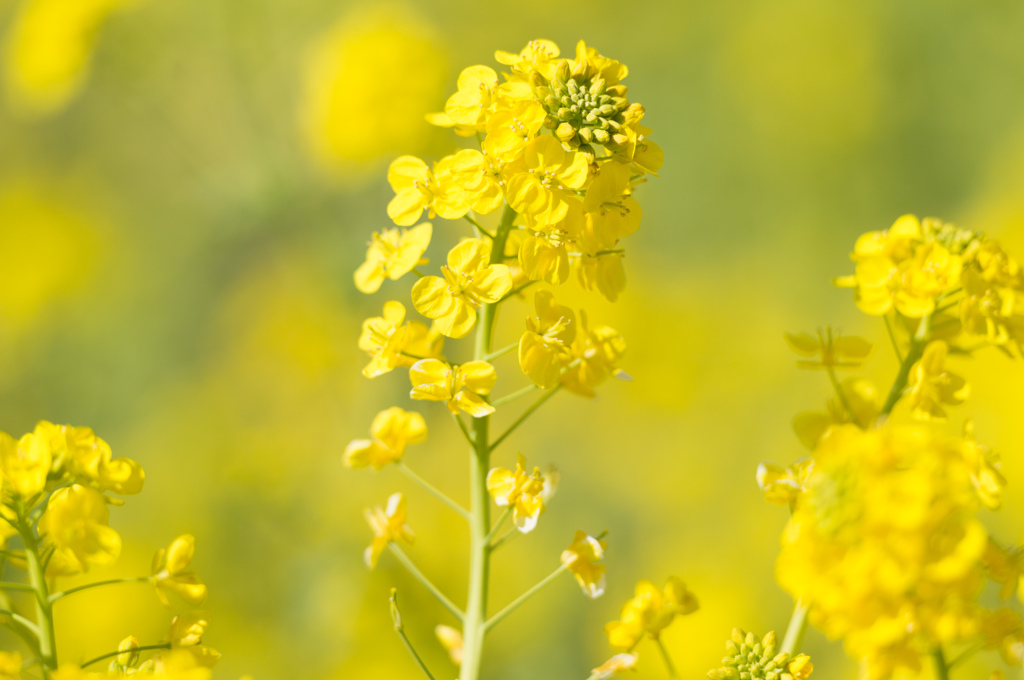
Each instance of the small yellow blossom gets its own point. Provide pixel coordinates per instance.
(481, 174)
(583, 558)
(784, 485)
(480, 94)
(171, 573)
(543, 181)
(986, 470)
(186, 639)
(392, 254)
(417, 188)
(10, 666)
(388, 524)
(831, 349)
(25, 463)
(469, 281)
(598, 351)
(451, 640)
(613, 666)
(540, 56)
(90, 461)
(391, 431)
(391, 342)
(75, 525)
(522, 491)
(510, 130)
(462, 386)
(931, 386)
(544, 349)
(748, 657)
(649, 612)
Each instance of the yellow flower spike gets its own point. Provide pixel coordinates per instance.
(391, 431)
(539, 56)
(10, 666)
(392, 343)
(522, 491)
(462, 387)
(598, 351)
(583, 558)
(391, 255)
(75, 525)
(451, 640)
(831, 350)
(187, 651)
(388, 524)
(783, 486)
(469, 281)
(613, 666)
(544, 349)
(171, 573)
(542, 183)
(480, 93)
(931, 386)
(417, 188)
(25, 463)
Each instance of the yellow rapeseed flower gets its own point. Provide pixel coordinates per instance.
(510, 130)
(783, 486)
(89, 460)
(25, 463)
(417, 188)
(931, 387)
(392, 254)
(171, 572)
(469, 281)
(479, 94)
(391, 342)
(391, 431)
(187, 652)
(544, 349)
(540, 56)
(649, 612)
(462, 386)
(583, 558)
(542, 182)
(520, 490)
(986, 470)
(598, 351)
(75, 525)
(614, 666)
(388, 524)
(831, 350)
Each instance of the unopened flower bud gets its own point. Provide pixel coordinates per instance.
(565, 132)
(129, 655)
(562, 72)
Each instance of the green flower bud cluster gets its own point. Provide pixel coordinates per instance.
(956, 239)
(582, 108)
(748, 658)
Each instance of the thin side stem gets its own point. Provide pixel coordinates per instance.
(498, 524)
(517, 291)
(21, 620)
(16, 586)
(913, 355)
(501, 352)
(516, 603)
(672, 674)
(396, 617)
(508, 536)
(839, 393)
(501, 401)
(143, 648)
(795, 631)
(476, 225)
(892, 338)
(44, 608)
(425, 582)
(87, 586)
(526, 414)
(437, 493)
(462, 427)
(941, 669)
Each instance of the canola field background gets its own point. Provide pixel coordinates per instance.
(186, 188)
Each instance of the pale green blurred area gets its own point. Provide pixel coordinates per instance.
(177, 275)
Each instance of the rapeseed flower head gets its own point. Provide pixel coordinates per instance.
(388, 524)
(75, 525)
(614, 666)
(462, 387)
(831, 350)
(469, 281)
(544, 349)
(392, 254)
(747, 657)
(583, 558)
(931, 386)
(598, 352)
(540, 56)
(520, 490)
(649, 612)
(171, 572)
(390, 432)
(88, 459)
(417, 188)
(391, 342)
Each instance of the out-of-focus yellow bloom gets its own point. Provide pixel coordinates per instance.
(451, 640)
(366, 80)
(540, 56)
(171, 573)
(583, 558)
(931, 386)
(187, 649)
(544, 348)
(391, 431)
(391, 255)
(392, 343)
(388, 524)
(89, 459)
(650, 611)
(831, 349)
(859, 394)
(1003, 630)
(748, 657)
(598, 351)
(1006, 567)
(25, 463)
(522, 491)
(418, 187)
(49, 50)
(469, 281)
(613, 666)
(542, 182)
(993, 302)
(10, 666)
(461, 387)
(885, 546)
(986, 470)
(784, 485)
(75, 525)
(480, 94)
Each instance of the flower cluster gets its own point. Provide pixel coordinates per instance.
(748, 657)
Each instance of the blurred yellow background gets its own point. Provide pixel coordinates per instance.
(186, 188)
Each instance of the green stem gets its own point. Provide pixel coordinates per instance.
(917, 346)
(839, 393)
(480, 458)
(892, 338)
(396, 617)
(44, 608)
(437, 493)
(143, 648)
(508, 536)
(515, 604)
(419, 576)
(941, 669)
(501, 352)
(795, 631)
(526, 414)
(16, 586)
(497, 525)
(462, 427)
(476, 225)
(672, 674)
(87, 586)
(501, 401)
